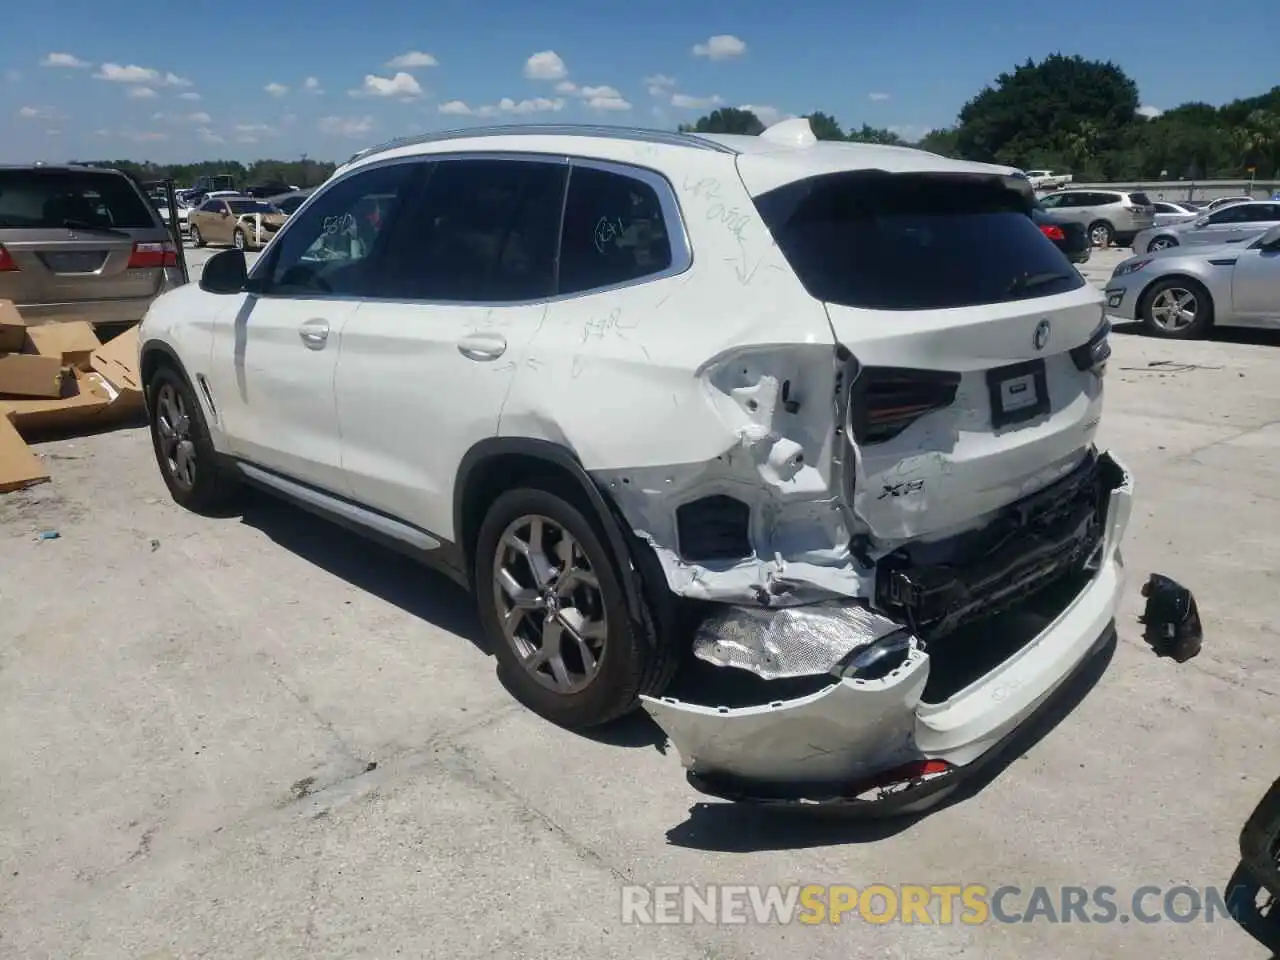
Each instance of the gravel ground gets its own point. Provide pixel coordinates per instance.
(262, 737)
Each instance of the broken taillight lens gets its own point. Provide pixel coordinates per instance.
(6, 260)
(887, 400)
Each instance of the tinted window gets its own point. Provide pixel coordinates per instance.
(1140, 199)
(290, 204)
(614, 231)
(251, 206)
(61, 198)
(1261, 212)
(327, 250)
(1232, 214)
(483, 232)
(912, 242)
(1053, 201)
(1166, 208)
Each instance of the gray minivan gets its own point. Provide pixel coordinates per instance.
(81, 243)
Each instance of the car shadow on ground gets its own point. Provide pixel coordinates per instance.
(746, 828)
(409, 585)
(1249, 336)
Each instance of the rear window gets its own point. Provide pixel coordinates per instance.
(912, 241)
(1139, 200)
(71, 198)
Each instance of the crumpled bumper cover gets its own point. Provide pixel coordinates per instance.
(825, 747)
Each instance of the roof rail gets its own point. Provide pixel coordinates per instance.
(669, 138)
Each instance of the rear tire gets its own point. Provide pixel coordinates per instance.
(196, 239)
(555, 613)
(1161, 243)
(184, 451)
(1101, 233)
(1176, 308)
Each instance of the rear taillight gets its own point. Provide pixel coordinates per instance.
(1093, 353)
(1052, 232)
(146, 256)
(886, 400)
(6, 261)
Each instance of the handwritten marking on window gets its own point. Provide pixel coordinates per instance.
(607, 230)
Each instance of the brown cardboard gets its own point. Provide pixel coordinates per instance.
(72, 342)
(85, 403)
(19, 467)
(13, 329)
(27, 375)
(117, 362)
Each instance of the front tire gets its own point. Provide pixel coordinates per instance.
(184, 450)
(1177, 309)
(196, 239)
(555, 612)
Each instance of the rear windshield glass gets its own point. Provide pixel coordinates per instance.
(71, 198)
(912, 241)
(1139, 199)
(251, 206)
(290, 204)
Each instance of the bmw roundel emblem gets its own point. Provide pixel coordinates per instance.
(1041, 338)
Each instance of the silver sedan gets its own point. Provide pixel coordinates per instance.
(1230, 223)
(1181, 293)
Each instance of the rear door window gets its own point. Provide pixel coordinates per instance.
(44, 199)
(1139, 200)
(913, 241)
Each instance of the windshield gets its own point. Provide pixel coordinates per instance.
(251, 206)
(912, 241)
(290, 204)
(56, 198)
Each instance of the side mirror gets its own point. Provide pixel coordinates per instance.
(1201, 222)
(225, 272)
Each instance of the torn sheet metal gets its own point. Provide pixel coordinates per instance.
(845, 732)
(791, 641)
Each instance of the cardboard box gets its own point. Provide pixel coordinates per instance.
(19, 467)
(85, 403)
(72, 342)
(13, 329)
(117, 362)
(27, 375)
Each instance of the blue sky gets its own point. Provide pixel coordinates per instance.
(82, 79)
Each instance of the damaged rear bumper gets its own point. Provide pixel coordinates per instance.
(882, 740)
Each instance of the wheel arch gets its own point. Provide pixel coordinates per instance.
(154, 355)
(486, 472)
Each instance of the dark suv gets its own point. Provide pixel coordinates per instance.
(81, 243)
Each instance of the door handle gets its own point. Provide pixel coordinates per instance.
(315, 333)
(482, 346)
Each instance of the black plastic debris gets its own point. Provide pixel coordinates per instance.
(1172, 619)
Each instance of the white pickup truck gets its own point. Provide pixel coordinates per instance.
(1048, 180)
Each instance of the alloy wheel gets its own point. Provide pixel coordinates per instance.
(549, 604)
(173, 425)
(1160, 243)
(1174, 308)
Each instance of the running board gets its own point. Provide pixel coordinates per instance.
(339, 509)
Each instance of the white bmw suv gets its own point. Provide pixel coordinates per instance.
(820, 414)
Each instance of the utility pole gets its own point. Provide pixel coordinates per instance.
(306, 179)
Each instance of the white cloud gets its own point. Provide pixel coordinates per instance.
(64, 60)
(312, 85)
(252, 128)
(198, 117)
(189, 96)
(141, 93)
(402, 86)
(289, 118)
(720, 47)
(686, 102)
(346, 126)
(607, 93)
(276, 89)
(455, 108)
(13, 76)
(173, 80)
(36, 113)
(128, 74)
(208, 136)
(911, 132)
(768, 115)
(545, 65)
(1149, 111)
(608, 103)
(414, 58)
(536, 105)
(660, 84)
(878, 97)
(566, 86)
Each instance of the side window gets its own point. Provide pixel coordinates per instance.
(327, 249)
(1053, 201)
(483, 232)
(614, 231)
(1236, 213)
(1263, 212)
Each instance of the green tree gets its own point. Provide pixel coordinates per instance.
(866, 134)
(1062, 105)
(942, 142)
(727, 120)
(824, 126)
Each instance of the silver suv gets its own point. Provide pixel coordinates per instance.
(1110, 216)
(81, 243)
